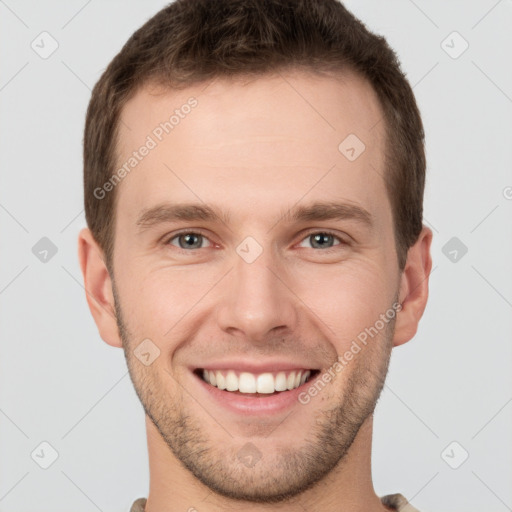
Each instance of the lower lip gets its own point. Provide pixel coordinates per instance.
(254, 405)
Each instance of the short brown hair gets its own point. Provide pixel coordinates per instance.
(191, 41)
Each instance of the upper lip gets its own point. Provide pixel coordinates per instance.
(256, 367)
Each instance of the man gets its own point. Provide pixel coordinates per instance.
(254, 174)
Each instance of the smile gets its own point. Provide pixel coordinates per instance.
(256, 384)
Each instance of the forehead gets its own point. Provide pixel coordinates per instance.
(282, 137)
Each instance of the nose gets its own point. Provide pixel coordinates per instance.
(258, 302)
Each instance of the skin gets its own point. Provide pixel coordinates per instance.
(257, 148)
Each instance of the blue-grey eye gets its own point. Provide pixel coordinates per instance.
(322, 240)
(188, 240)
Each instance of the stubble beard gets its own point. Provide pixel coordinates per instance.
(282, 473)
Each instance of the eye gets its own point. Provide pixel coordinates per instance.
(188, 240)
(323, 240)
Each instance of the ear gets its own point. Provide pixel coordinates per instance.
(98, 287)
(413, 293)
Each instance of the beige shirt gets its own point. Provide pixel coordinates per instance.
(393, 501)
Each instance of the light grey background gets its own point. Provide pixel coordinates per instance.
(61, 384)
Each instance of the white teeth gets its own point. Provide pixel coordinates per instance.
(290, 382)
(221, 381)
(231, 381)
(246, 383)
(265, 383)
(280, 384)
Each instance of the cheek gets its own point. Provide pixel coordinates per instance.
(165, 298)
(347, 299)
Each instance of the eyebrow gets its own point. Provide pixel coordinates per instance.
(168, 212)
(318, 211)
(329, 211)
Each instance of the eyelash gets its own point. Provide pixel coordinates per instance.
(199, 232)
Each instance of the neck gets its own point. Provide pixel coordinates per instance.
(347, 487)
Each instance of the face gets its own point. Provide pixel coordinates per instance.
(251, 251)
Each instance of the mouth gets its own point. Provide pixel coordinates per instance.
(254, 385)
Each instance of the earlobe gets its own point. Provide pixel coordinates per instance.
(98, 287)
(413, 293)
